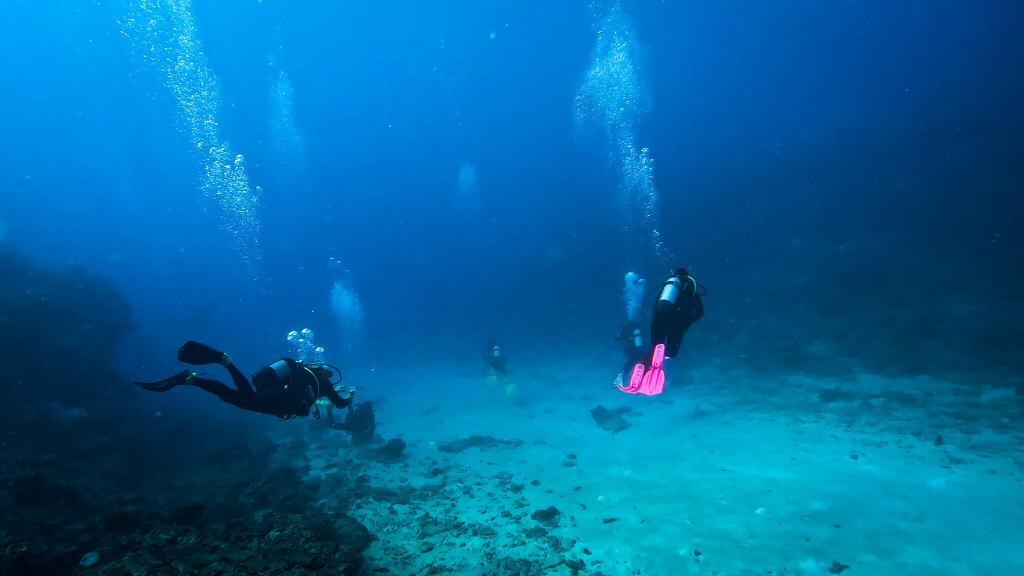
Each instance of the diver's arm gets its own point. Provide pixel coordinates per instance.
(336, 398)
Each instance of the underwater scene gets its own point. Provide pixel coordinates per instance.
(472, 287)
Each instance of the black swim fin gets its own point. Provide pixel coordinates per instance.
(198, 354)
(167, 383)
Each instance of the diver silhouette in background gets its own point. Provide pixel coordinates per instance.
(679, 306)
(634, 346)
(494, 356)
(498, 373)
(286, 388)
(360, 422)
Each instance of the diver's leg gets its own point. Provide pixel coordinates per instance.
(241, 382)
(673, 345)
(627, 368)
(675, 341)
(165, 384)
(661, 324)
(222, 391)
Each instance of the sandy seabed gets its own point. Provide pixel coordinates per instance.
(726, 474)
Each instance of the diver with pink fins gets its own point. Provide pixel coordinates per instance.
(678, 307)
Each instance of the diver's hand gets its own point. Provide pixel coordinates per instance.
(341, 396)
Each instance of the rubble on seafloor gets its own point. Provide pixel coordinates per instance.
(73, 507)
(432, 513)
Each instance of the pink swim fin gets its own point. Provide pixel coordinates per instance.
(635, 379)
(653, 382)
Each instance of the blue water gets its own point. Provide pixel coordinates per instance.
(419, 178)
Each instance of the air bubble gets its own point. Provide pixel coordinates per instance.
(613, 97)
(170, 43)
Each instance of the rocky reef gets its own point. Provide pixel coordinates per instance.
(92, 486)
(59, 329)
(164, 503)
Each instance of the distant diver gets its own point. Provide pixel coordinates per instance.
(360, 421)
(679, 306)
(497, 368)
(495, 358)
(286, 389)
(634, 347)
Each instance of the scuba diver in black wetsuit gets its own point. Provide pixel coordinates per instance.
(360, 422)
(495, 358)
(634, 348)
(679, 307)
(498, 373)
(286, 389)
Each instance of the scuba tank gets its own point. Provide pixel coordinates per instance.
(671, 291)
(633, 340)
(676, 285)
(638, 338)
(276, 375)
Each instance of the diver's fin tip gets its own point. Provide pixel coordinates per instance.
(635, 380)
(167, 383)
(198, 354)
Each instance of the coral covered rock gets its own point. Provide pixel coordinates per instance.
(59, 329)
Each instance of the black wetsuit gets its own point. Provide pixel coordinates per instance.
(672, 320)
(360, 422)
(495, 358)
(633, 351)
(286, 396)
(293, 396)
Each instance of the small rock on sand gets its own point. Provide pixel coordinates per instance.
(480, 442)
(547, 516)
(611, 420)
